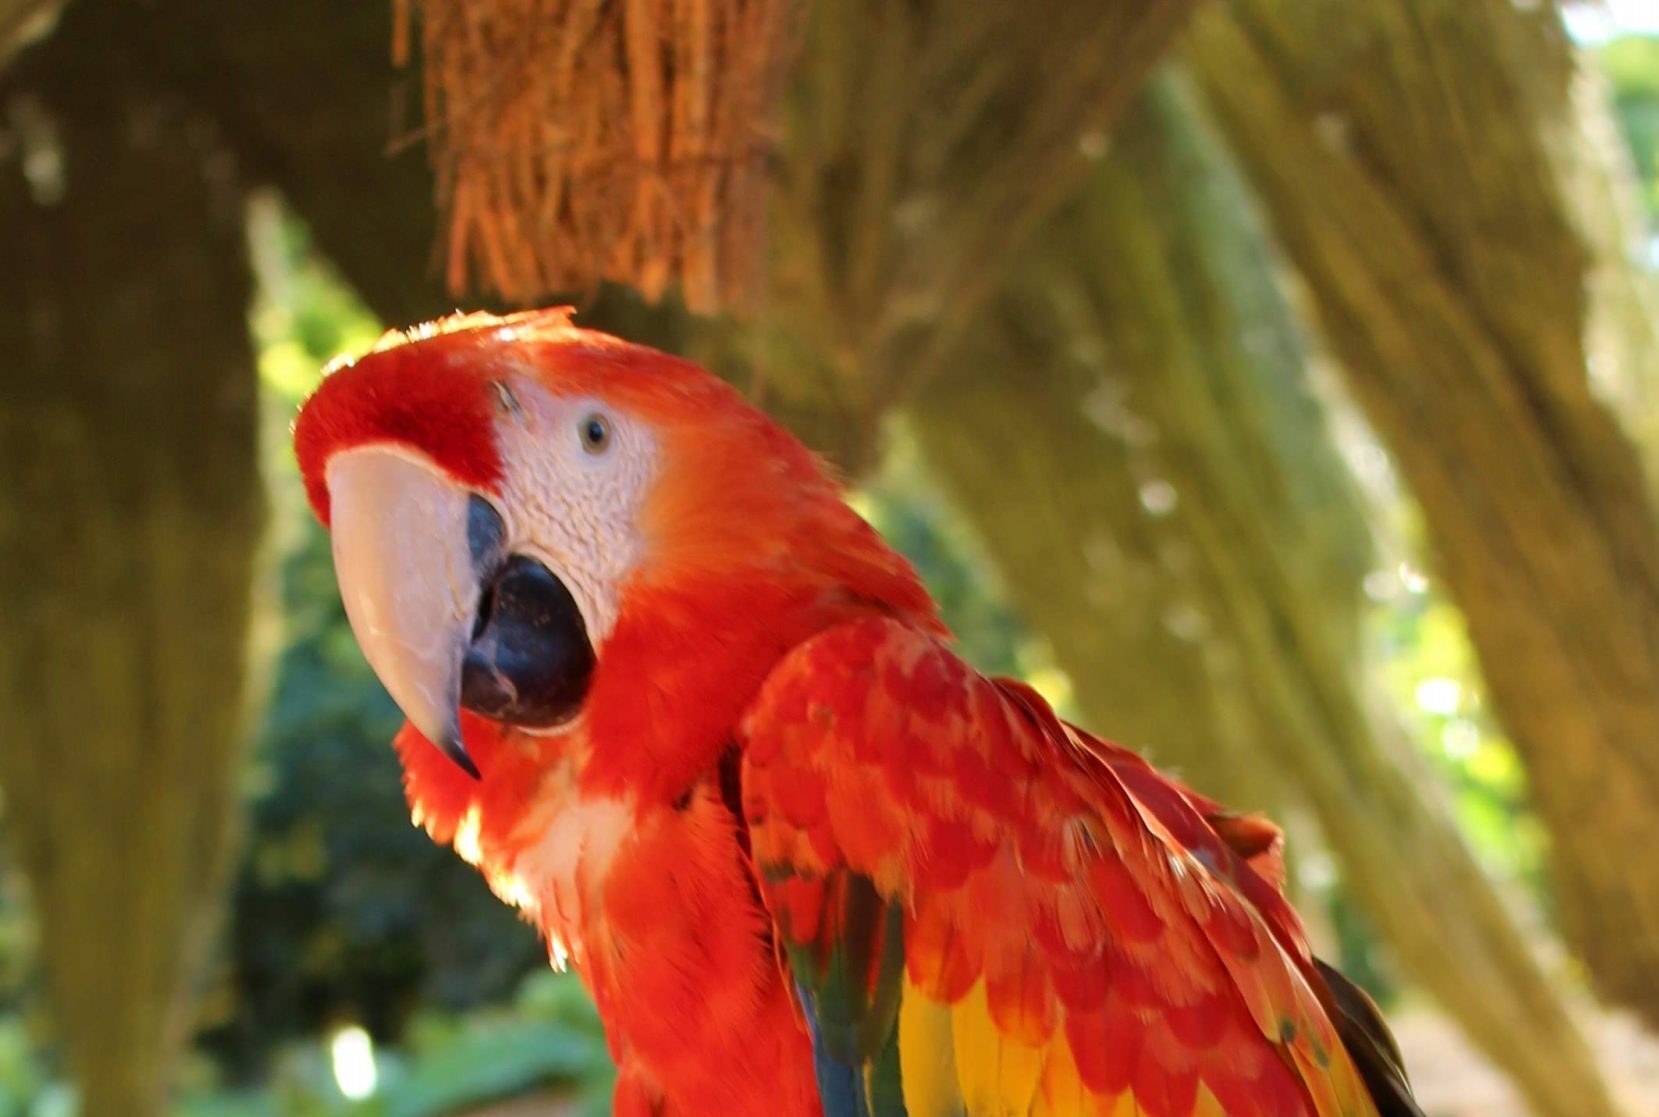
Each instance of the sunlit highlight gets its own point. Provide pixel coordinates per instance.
(351, 1055)
(466, 836)
(1439, 696)
(1414, 580)
(507, 886)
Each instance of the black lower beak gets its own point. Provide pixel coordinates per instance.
(530, 660)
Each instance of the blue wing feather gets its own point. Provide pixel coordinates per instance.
(840, 1084)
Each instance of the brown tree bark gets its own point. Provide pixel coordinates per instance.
(1425, 212)
(128, 530)
(22, 21)
(1602, 188)
(922, 142)
(309, 100)
(1130, 429)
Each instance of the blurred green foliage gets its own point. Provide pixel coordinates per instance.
(546, 1038)
(1631, 65)
(1428, 669)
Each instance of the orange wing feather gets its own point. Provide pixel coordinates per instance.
(1077, 935)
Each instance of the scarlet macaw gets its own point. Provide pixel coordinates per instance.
(706, 729)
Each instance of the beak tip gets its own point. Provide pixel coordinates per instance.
(452, 747)
(446, 738)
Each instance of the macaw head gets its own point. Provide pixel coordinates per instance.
(554, 546)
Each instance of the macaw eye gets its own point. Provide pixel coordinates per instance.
(595, 432)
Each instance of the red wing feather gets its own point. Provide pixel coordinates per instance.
(1080, 933)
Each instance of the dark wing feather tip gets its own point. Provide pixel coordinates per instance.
(1370, 1045)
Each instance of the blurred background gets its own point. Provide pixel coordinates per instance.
(1275, 383)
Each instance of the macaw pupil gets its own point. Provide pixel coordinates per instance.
(530, 660)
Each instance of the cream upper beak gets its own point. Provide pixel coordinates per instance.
(409, 580)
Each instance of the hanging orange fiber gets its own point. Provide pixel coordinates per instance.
(580, 140)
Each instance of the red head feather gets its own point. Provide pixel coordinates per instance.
(423, 389)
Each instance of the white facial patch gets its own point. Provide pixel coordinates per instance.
(570, 501)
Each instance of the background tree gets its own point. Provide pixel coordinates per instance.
(1450, 281)
(128, 535)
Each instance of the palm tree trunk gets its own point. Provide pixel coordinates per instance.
(128, 533)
